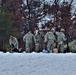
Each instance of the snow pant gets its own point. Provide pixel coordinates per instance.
(50, 45)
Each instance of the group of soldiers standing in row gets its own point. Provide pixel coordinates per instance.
(40, 41)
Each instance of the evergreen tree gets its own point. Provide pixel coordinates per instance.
(5, 27)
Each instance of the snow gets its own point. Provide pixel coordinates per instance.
(37, 64)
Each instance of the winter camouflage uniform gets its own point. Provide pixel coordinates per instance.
(41, 40)
(60, 39)
(37, 41)
(29, 41)
(49, 39)
(13, 42)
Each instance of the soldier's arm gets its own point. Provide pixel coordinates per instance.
(45, 38)
(34, 39)
(64, 38)
(11, 44)
(15, 41)
(24, 38)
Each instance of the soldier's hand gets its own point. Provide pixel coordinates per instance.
(12, 45)
(45, 43)
(56, 41)
(60, 43)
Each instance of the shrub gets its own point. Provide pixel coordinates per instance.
(72, 46)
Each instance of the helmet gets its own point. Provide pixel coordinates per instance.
(62, 30)
(53, 30)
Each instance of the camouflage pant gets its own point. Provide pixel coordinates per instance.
(60, 47)
(37, 47)
(28, 47)
(50, 45)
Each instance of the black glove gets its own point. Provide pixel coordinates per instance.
(45, 43)
(12, 45)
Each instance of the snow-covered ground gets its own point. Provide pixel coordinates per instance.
(37, 64)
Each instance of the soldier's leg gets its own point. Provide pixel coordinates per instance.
(30, 47)
(27, 48)
(62, 48)
(40, 47)
(52, 46)
(37, 47)
(59, 47)
(48, 47)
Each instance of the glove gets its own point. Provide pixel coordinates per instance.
(12, 45)
(60, 43)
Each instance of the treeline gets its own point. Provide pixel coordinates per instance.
(5, 27)
(26, 16)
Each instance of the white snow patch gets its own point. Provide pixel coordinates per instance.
(37, 64)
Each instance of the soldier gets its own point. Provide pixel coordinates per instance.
(60, 39)
(13, 42)
(49, 39)
(37, 41)
(29, 41)
(42, 34)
